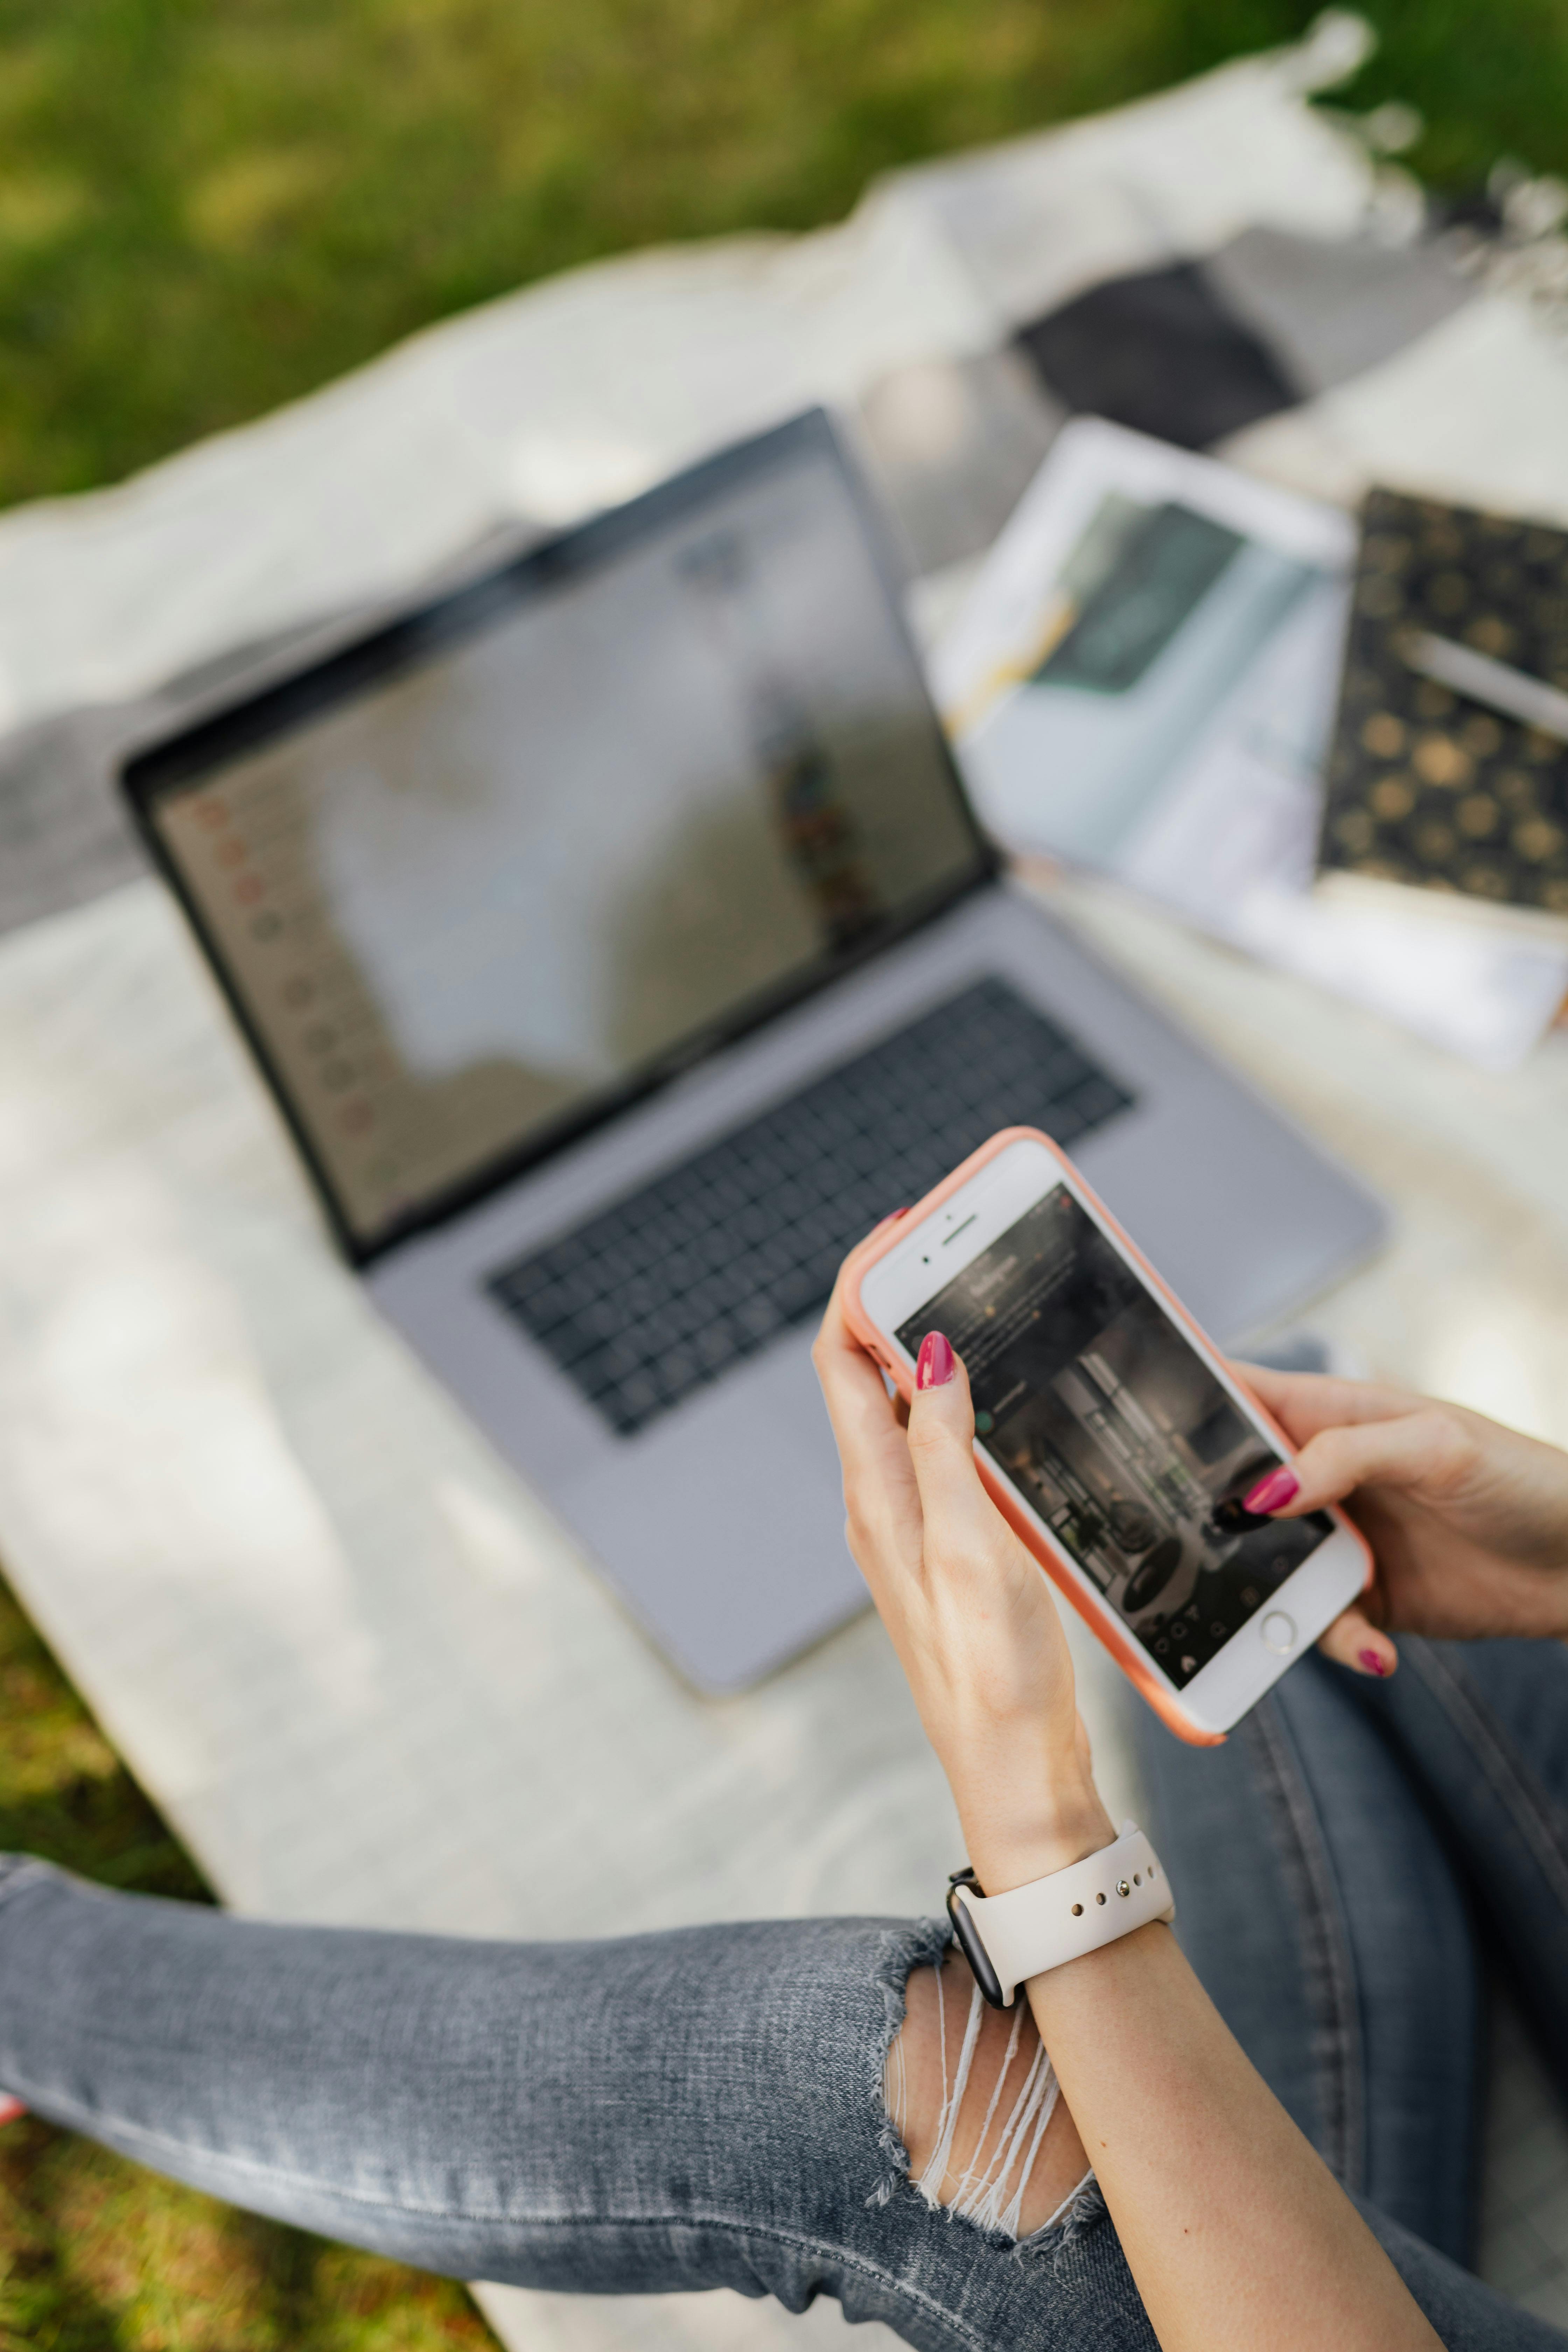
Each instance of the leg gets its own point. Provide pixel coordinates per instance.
(973, 2098)
(691, 2110)
(1320, 1907)
(1481, 1729)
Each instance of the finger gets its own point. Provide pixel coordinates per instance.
(853, 1389)
(1423, 1450)
(1305, 1402)
(835, 1339)
(1354, 1640)
(835, 1343)
(861, 1413)
(961, 1520)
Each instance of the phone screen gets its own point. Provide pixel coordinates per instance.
(1092, 1401)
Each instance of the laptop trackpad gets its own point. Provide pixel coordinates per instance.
(725, 1534)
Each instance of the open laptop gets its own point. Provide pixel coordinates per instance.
(615, 937)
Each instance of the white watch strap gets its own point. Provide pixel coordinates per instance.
(1031, 1929)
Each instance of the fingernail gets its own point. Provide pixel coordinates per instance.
(1271, 1494)
(933, 1365)
(1374, 1661)
(892, 1217)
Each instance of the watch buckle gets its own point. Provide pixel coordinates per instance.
(967, 1937)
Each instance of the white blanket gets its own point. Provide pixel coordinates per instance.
(365, 1676)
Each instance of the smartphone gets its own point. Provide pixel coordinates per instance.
(1110, 1432)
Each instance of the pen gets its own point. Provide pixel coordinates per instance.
(1481, 679)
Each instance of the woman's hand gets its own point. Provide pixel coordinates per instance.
(1233, 2228)
(1467, 1521)
(969, 1611)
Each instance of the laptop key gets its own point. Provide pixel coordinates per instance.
(660, 1292)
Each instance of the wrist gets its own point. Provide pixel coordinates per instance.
(1015, 1847)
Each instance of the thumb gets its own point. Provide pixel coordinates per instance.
(961, 1522)
(1407, 1454)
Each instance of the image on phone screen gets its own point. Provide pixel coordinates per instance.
(1091, 1399)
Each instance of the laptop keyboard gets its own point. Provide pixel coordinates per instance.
(674, 1284)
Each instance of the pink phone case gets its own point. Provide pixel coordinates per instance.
(1101, 1620)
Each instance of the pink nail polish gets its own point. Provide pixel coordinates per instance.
(933, 1365)
(1271, 1494)
(1374, 1661)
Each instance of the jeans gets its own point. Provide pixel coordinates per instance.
(1355, 1853)
(705, 2108)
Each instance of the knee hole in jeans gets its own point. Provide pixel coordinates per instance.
(972, 2093)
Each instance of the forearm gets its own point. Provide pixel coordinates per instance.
(1232, 2227)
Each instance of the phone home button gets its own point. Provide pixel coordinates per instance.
(1279, 1632)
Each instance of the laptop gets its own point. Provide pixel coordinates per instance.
(616, 939)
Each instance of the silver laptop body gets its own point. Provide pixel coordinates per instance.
(616, 942)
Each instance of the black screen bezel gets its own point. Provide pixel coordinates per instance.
(188, 755)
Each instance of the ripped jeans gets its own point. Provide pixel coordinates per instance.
(707, 2108)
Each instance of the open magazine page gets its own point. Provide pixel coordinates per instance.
(1142, 680)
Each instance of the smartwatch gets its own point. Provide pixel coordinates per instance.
(1007, 1938)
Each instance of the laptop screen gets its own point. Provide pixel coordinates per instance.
(474, 882)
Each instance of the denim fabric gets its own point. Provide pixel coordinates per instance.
(1339, 1864)
(1317, 1902)
(1481, 1729)
(692, 2110)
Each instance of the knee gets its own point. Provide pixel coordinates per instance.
(971, 2093)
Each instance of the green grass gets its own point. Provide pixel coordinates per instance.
(97, 2255)
(208, 207)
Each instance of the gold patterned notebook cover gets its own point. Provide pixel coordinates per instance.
(1425, 787)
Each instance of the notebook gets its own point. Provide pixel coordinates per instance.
(1436, 790)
